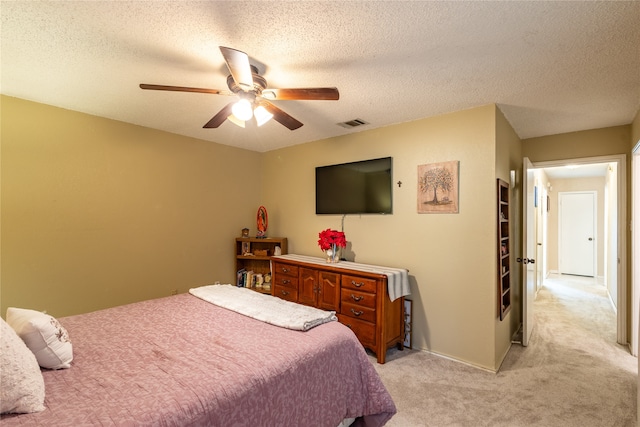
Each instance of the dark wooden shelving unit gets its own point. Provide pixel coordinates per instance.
(259, 261)
(504, 252)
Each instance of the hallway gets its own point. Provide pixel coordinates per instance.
(581, 372)
(582, 300)
(573, 373)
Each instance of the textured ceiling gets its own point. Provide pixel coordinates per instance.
(552, 67)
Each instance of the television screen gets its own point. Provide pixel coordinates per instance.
(362, 187)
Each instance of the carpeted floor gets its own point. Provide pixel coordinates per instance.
(572, 374)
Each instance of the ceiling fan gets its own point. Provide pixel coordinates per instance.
(245, 83)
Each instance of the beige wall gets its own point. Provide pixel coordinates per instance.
(97, 213)
(509, 158)
(451, 257)
(589, 143)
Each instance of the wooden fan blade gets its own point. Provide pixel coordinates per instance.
(185, 89)
(280, 116)
(238, 63)
(219, 118)
(311, 93)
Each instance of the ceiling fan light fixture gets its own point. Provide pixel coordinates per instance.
(262, 115)
(242, 110)
(268, 94)
(245, 82)
(233, 119)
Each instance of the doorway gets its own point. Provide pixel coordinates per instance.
(614, 240)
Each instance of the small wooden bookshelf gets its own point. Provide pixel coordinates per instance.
(253, 261)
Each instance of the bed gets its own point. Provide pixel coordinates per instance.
(183, 361)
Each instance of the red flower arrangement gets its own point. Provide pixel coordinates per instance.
(329, 238)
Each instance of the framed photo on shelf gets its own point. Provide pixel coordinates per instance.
(246, 248)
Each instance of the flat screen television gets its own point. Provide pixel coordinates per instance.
(362, 187)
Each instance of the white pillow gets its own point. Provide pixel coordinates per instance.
(21, 382)
(44, 336)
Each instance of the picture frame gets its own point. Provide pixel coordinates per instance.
(438, 187)
(246, 248)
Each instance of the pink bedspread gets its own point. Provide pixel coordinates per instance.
(181, 361)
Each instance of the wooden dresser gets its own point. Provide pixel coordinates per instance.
(357, 294)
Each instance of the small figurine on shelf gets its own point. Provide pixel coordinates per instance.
(259, 280)
(263, 222)
(245, 232)
(266, 284)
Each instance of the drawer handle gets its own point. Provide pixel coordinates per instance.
(357, 284)
(285, 293)
(285, 281)
(357, 313)
(356, 298)
(285, 270)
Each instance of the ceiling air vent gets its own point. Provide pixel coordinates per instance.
(353, 123)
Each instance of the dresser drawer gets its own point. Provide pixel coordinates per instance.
(285, 269)
(358, 312)
(365, 299)
(359, 283)
(285, 293)
(365, 331)
(288, 281)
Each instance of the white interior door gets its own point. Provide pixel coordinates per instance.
(577, 232)
(635, 259)
(528, 250)
(541, 214)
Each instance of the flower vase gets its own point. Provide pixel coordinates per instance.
(332, 254)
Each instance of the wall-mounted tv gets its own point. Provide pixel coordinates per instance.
(362, 187)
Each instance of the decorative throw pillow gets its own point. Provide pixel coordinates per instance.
(44, 336)
(21, 382)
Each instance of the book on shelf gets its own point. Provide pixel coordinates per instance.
(248, 279)
(245, 279)
(240, 276)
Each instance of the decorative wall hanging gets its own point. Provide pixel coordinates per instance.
(438, 187)
(263, 222)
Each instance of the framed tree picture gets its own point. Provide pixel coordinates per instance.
(438, 187)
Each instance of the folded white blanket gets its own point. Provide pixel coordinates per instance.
(266, 308)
